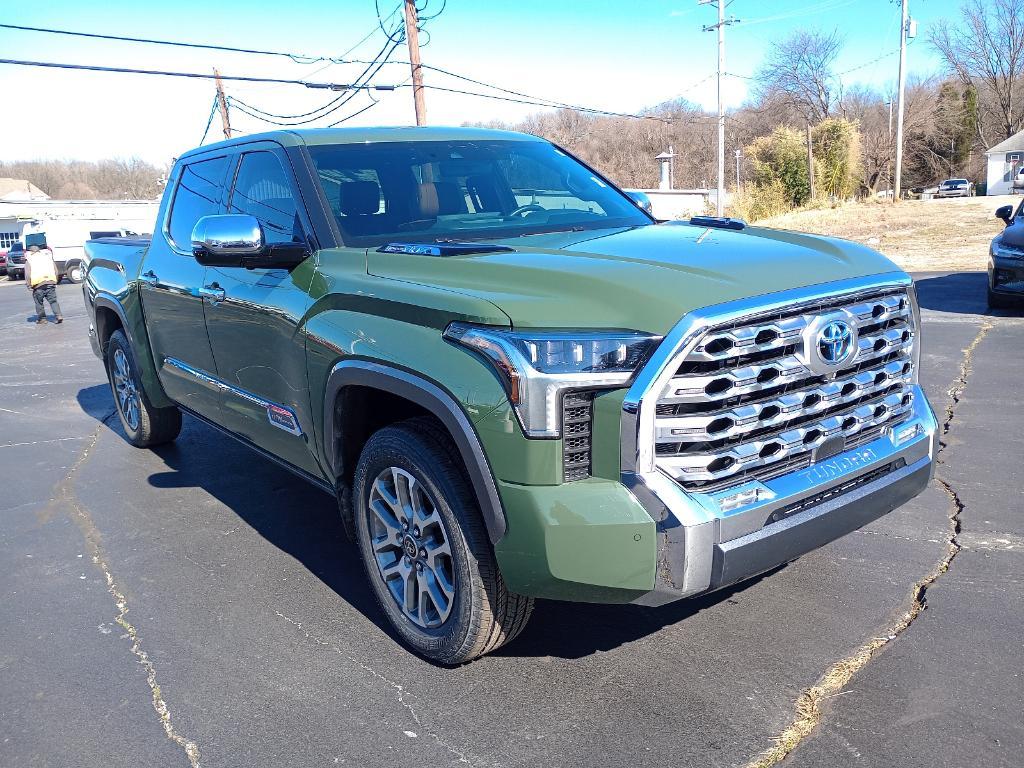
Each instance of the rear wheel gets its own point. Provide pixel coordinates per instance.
(74, 273)
(144, 425)
(425, 548)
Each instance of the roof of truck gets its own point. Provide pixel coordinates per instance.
(315, 136)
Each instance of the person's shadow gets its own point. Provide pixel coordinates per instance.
(303, 521)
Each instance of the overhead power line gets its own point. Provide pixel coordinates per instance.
(304, 118)
(590, 110)
(196, 75)
(299, 58)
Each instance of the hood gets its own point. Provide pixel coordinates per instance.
(643, 278)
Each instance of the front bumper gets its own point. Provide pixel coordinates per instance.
(702, 547)
(1006, 275)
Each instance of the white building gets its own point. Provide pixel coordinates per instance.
(1005, 159)
(69, 223)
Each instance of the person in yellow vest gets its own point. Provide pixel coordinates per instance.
(41, 279)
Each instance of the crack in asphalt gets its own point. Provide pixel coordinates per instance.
(956, 391)
(808, 704)
(83, 519)
(397, 686)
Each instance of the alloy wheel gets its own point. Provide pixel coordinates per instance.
(125, 389)
(411, 547)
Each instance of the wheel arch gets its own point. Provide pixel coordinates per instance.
(427, 396)
(109, 315)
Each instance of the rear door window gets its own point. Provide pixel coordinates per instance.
(199, 193)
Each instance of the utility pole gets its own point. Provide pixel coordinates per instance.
(810, 162)
(737, 170)
(413, 38)
(720, 28)
(222, 104)
(899, 109)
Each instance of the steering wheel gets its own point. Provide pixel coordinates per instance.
(529, 208)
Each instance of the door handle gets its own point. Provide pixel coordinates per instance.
(150, 278)
(212, 293)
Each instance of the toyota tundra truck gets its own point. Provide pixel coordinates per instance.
(516, 382)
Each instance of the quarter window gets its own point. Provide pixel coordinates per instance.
(199, 194)
(262, 190)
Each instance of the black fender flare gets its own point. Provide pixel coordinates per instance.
(437, 401)
(107, 301)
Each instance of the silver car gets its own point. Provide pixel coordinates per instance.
(955, 188)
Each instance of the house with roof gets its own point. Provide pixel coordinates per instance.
(1005, 160)
(19, 189)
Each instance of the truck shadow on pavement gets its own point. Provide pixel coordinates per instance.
(958, 293)
(303, 521)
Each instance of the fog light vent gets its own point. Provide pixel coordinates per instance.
(577, 422)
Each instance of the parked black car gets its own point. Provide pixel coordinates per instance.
(1006, 260)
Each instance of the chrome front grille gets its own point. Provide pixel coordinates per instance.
(746, 401)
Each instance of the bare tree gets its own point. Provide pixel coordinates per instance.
(120, 179)
(798, 72)
(986, 52)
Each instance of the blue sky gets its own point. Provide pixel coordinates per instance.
(607, 54)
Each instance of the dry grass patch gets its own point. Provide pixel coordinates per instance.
(919, 235)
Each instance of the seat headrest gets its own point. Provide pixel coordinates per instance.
(358, 198)
(439, 198)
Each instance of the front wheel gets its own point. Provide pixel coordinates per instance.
(144, 425)
(997, 301)
(425, 548)
(74, 273)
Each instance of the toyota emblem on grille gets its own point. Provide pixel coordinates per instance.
(829, 341)
(835, 342)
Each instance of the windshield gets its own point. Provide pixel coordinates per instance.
(953, 182)
(424, 191)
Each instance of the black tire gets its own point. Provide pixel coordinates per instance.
(996, 301)
(144, 425)
(74, 272)
(483, 614)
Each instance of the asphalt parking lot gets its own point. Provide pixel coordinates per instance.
(199, 605)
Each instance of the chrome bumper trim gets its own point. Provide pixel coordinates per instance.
(690, 525)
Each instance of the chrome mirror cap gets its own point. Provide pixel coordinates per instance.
(228, 235)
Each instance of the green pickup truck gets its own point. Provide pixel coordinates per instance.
(515, 382)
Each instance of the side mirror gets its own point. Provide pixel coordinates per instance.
(643, 202)
(224, 241)
(236, 240)
(1005, 213)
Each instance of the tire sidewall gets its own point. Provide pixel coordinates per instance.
(118, 341)
(387, 449)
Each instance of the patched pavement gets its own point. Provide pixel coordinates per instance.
(255, 641)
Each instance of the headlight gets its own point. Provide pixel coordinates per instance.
(538, 367)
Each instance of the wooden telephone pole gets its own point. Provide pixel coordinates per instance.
(222, 104)
(412, 37)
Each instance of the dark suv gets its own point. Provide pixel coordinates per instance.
(1006, 260)
(16, 261)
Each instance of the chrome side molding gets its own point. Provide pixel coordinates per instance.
(280, 416)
